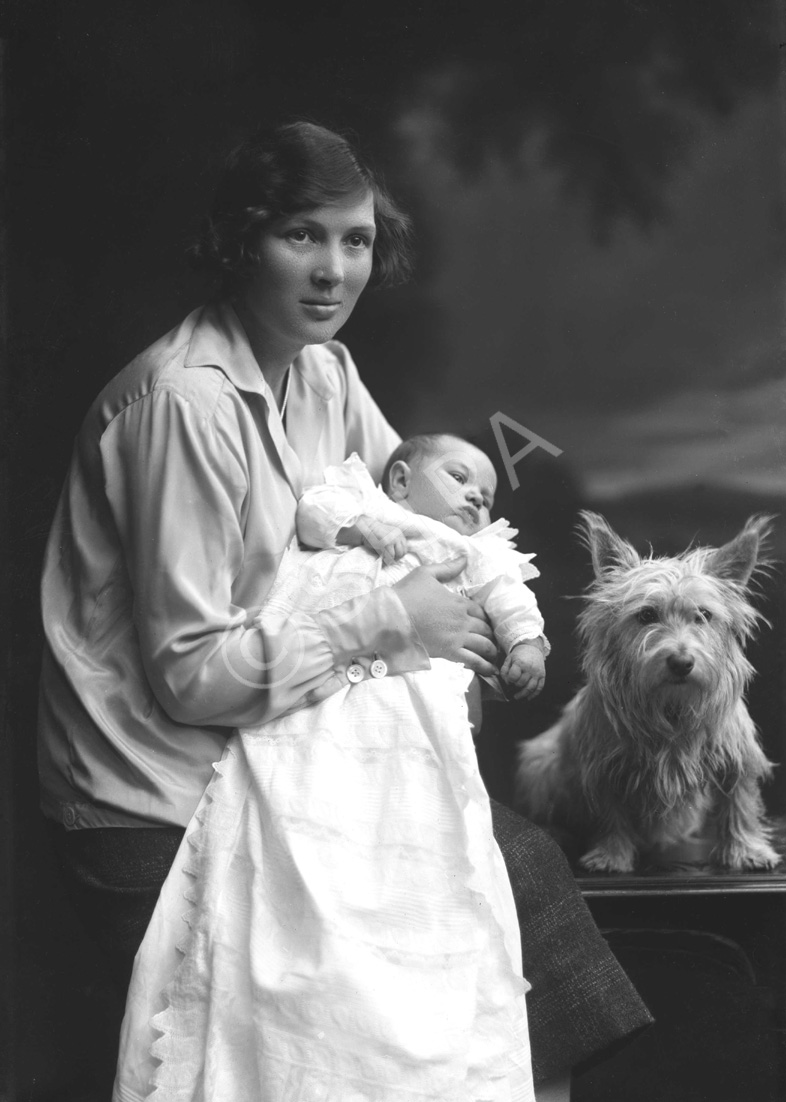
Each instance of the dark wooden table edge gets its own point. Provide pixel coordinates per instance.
(592, 888)
(686, 879)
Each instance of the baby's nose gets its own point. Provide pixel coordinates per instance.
(475, 496)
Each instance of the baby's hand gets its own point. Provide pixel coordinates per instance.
(386, 540)
(525, 670)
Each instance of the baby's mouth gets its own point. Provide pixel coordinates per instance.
(469, 514)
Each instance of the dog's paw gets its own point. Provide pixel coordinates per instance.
(755, 853)
(614, 856)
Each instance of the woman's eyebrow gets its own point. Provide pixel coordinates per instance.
(311, 222)
(364, 227)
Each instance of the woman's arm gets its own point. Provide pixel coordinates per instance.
(176, 488)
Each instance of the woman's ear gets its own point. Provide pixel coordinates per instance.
(399, 480)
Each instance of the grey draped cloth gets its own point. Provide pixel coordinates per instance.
(581, 1004)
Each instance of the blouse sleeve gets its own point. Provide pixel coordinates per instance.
(176, 491)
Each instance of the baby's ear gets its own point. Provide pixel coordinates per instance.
(398, 481)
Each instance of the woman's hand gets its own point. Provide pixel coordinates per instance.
(449, 626)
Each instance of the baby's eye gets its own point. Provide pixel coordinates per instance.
(459, 477)
(647, 615)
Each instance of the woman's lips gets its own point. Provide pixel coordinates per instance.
(321, 311)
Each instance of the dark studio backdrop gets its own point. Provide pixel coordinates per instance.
(598, 196)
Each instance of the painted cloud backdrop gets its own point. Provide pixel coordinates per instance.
(652, 360)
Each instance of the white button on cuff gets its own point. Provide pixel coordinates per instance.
(378, 668)
(355, 673)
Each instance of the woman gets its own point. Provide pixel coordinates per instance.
(178, 506)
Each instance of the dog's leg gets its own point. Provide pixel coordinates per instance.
(743, 833)
(744, 838)
(614, 851)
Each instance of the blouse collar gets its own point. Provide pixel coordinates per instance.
(219, 340)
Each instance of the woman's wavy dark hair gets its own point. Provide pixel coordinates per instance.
(285, 170)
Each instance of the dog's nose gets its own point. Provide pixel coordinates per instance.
(681, 666)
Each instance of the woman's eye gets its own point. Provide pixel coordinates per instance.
(358, 241)
(647, 615)
(298, 236)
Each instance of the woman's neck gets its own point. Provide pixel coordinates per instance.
(273, 357)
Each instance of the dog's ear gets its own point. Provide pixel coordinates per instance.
(608, 550)
(737, 560)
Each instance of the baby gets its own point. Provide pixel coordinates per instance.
(350, 927)
(442, 478)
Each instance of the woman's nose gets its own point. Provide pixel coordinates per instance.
(330, 269)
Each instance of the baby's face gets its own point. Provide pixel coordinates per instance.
(456, 486)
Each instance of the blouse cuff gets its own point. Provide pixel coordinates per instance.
(372, 636)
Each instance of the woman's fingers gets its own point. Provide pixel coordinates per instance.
(443, 571)
(473, 658)
(480, 649)
(478, 618)
(449, 625)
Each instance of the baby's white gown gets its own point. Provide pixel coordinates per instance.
(338, 925)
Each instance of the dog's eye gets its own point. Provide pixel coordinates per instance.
(647, 615)
(703, 616)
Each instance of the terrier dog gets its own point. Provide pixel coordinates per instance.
(658, 746)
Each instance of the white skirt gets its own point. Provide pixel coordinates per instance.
(338, 925)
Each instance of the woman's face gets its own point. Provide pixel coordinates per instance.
(312, 268)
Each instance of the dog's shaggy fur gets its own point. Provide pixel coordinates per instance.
(658, 746)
